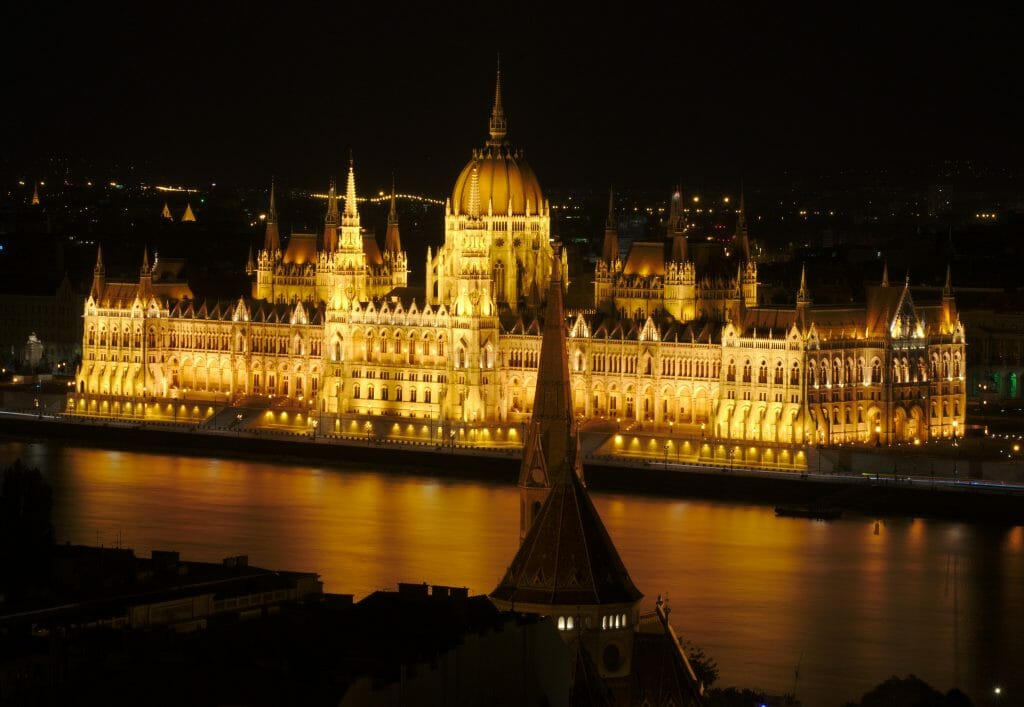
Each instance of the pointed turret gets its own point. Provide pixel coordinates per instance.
(610, 252)
(351, 212)
(331, 220)
(741, 237)
(949, 313)
(35, 194)
(99, 276)
(145, 276)
(885, 273)
(803, 297)
(498, 127)
(188, 216)
(166, 213)
(272, 236)
(392, 239)
(250, 263)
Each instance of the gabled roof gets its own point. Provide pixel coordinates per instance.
(372, 251)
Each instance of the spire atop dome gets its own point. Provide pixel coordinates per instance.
(35, 194)
(610, 221)
(99, 259)
(498, 126)
(947, 288)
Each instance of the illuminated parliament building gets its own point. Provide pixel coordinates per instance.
(676, 338)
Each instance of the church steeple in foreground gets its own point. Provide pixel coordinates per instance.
(567, 566)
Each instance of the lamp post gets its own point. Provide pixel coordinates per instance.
(668, 445)
(956, 424)
(878, 435)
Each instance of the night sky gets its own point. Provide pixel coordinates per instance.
(191, 93)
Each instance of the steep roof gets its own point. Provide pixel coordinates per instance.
(567, 556)
(645, 258)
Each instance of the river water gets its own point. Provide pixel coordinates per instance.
(846, 602)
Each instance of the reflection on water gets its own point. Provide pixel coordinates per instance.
(760, 594)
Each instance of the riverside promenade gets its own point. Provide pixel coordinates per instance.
(970, 481)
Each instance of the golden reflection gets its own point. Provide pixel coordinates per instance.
(740, 579)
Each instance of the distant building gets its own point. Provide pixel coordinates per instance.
(49, 310)
(677, 335)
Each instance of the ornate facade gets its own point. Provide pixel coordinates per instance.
(676, 338)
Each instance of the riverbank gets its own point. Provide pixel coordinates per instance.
(870, 495)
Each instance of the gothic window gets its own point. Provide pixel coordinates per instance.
(398, 394)
(956, 365)
(92, 336)
(337, 351)
(794, 374)
(836, 367)
(426, 396)
(383, 392)
(860, 370)
(762, 372)
(412, 395)
(730, 374)
(876, 371)
(778, 373)
(746, 371)
(151, 338)
(355, 391)
(499, 281)
(369, 392)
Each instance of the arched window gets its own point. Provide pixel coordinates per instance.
(746, 371)
(762, 372)
(730, 374)
(876, 371)
(426, 396)
(398, 394)
(369, 392)
(794, 374)
(412, 395)
(561, 623)
(568, 623)
(337, 351)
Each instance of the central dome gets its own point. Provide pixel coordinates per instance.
(503, 176)
(504, 179)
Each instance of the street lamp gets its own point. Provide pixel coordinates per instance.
(702, 427)
(956, 423)
(668, 446)
(878, 435)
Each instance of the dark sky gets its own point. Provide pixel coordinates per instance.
(611, 93)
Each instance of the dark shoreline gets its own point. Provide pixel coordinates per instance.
(879, 499)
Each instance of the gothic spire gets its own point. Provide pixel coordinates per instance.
(742, 239)
(885, 273)
(498, 126)
(98, 275)
(350, 190)
(610, 251)
(272, 237)
(803, 297)
(392, 241)
(947, 288)
(331, 219)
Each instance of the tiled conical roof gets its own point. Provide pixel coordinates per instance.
(567, 556)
